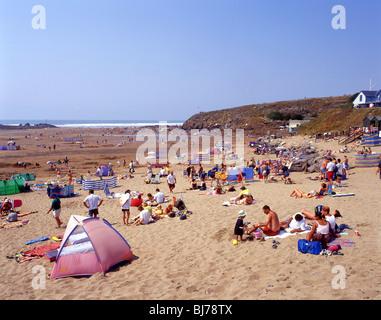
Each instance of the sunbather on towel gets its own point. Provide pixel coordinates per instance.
(296, 223)
(247, 199)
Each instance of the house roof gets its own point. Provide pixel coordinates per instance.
(370, 93)
(373, 117)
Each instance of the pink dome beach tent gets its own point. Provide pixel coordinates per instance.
(89, 245)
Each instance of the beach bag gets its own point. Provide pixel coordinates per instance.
(312, 247)
(180, 205)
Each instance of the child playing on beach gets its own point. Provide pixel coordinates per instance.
(238, 229)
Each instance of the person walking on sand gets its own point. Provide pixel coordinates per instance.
(379, 168)
(70, 175)
(56, 208)
(92, 202)
(271, 227)
(125, 203)
(171, 180)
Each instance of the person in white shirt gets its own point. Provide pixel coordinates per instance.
(125, 202)
(171, 180)
(144, 216)
(159, 197)
(296, 223)
(329, 170)
(92, 202)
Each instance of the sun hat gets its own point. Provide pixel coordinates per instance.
(242, 213)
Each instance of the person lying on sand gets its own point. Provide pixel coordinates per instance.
(245, 201)
(297, 193)
(215, 191)
(297, 223)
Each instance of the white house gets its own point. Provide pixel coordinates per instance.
(368, 99)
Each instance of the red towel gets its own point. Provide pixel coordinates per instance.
(40, 250)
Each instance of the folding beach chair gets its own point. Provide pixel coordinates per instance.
(156, 179)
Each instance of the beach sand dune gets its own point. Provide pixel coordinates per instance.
(192, 258)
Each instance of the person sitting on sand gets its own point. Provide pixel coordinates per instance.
(158, 211)
(331, 217)
(136, 202)
(244, 191)
(158, 198)
(144, 217)
(321, 231)
(146, 206)
(271, 227)
(297, 223)
(193, 185)
(168, 210)
(6, 206)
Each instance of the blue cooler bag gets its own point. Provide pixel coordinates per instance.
(313, 247)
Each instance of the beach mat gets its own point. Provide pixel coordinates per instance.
(342, 194)
(16, 224)
(283, 234)
(40, 251)
(342, 242)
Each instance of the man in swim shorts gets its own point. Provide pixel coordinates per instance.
(271, 227)
(56, 208)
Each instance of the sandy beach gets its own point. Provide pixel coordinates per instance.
(191, 259)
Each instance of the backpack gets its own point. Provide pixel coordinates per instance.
(312, 247)
(180, 205)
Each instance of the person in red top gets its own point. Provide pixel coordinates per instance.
(136, 202)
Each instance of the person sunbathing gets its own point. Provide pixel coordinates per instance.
(215, 191)
(297, 193)
(296, 223)
(247, 199)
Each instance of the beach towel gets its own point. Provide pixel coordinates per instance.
(40, 251)
(283, 234)
(111, 195)
(21, 257)
(342, 194)
(341, 242)
(16, 224)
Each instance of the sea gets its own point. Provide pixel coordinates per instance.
(94, 123)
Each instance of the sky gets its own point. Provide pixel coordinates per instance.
(166, 60)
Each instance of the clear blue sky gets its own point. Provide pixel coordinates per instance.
(162, 59)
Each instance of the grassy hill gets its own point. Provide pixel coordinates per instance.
(330, 114)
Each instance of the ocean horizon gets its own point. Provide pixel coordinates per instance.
(93, 123)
